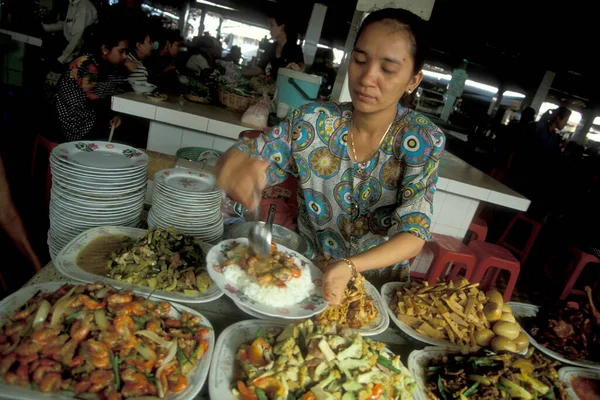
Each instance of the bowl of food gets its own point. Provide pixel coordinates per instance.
(441, 374)
(281, 235)
(284, 284)
(142, 87)
(93, 340)
(248, 354)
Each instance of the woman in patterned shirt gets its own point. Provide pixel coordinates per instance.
(85, 89)
(366, 170)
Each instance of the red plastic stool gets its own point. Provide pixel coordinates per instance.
(581, 260)
(479, 229)
(491, 256)
(536, 227)
(447, 249)
(48, 146)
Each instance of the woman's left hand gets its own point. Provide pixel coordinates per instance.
(336, 278)
(293, 66)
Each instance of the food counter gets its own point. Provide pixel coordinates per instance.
(177, 123)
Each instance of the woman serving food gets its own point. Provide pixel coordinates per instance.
(367, 170)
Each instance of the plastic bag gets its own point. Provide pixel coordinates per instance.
(257, 116)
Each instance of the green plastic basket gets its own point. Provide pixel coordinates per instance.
(198, 153)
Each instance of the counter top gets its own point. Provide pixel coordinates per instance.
(177, 111)
(455, 175)
(21, 37)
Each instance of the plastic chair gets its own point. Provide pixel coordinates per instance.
(479, 229)
(582, 259)
(446, 250)
(492, 258)
(41, 141)
(523, 253)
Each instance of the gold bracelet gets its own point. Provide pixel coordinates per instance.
(351, 265)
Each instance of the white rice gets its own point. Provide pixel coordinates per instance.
(297, 289)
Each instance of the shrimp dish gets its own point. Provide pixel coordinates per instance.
(93, 339)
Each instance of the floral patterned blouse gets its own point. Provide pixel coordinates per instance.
(79, 90)
(347, 207)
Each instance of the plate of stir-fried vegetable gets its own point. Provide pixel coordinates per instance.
(484, 375)
(161, 262)
(268, 360)
(62, 340)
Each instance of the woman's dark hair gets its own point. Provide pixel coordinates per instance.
(138, 36)
(169, 35)
(414, 25)
(282, 17)
(97, 36)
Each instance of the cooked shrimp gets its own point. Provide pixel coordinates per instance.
(177, 383)
(87, 302)
(92, 287)
(65, 353)
(153, 326)
(13, 379)
(100, 379)
(136, 384)
(7, 362)
(26, 312)
(119, 298)
(264, 279)
(27, 348)
(45, 367)
(29, 358)
(23, 372)
(132, 308)
(173, 323)
(45, 336)
(81, 327)
(16, 329)
(109, 336)
(124, 326)
(163, 308)
(51, 382)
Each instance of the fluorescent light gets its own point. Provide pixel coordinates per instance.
(437, 75)
(323, 46)
(481, 86)
(210, 3)
(510, 93)
(170, 15)
(596, 121)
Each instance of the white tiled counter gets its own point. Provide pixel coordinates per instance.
(177, 123)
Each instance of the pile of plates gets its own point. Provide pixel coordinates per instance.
(94, 184)
(189, 201)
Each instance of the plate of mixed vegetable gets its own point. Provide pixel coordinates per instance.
(267, 360)
(63, 340)
(484, 375)
(161, 262)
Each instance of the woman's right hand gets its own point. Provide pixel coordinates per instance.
(240, 176)
(130, 65)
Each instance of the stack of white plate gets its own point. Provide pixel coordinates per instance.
(94, 184)
(189, 201)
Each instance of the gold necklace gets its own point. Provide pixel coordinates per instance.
(373, 152)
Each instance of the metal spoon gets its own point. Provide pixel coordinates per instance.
(260, 234)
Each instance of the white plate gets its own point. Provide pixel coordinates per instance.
(532, 312)
(387, 292)
(101, 155)
(417, 362)
(187, 197)
(68, 169)
(186, 180)
(222, 376)
(565, 374)
(66, 263)
(312, 305)
(196, 377)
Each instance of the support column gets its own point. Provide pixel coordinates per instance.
(183, 17)
(535, 98)
(497, 101)
(313, 33)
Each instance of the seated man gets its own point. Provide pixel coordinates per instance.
(162, 67)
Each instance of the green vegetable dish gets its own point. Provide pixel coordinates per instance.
(314, 362)
(490, 376)
(163, 259)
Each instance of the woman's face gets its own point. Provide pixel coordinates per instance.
(144, 49)
(276, 30)
(117, 54)
(381, 67)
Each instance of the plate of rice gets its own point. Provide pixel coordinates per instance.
(284, 285)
